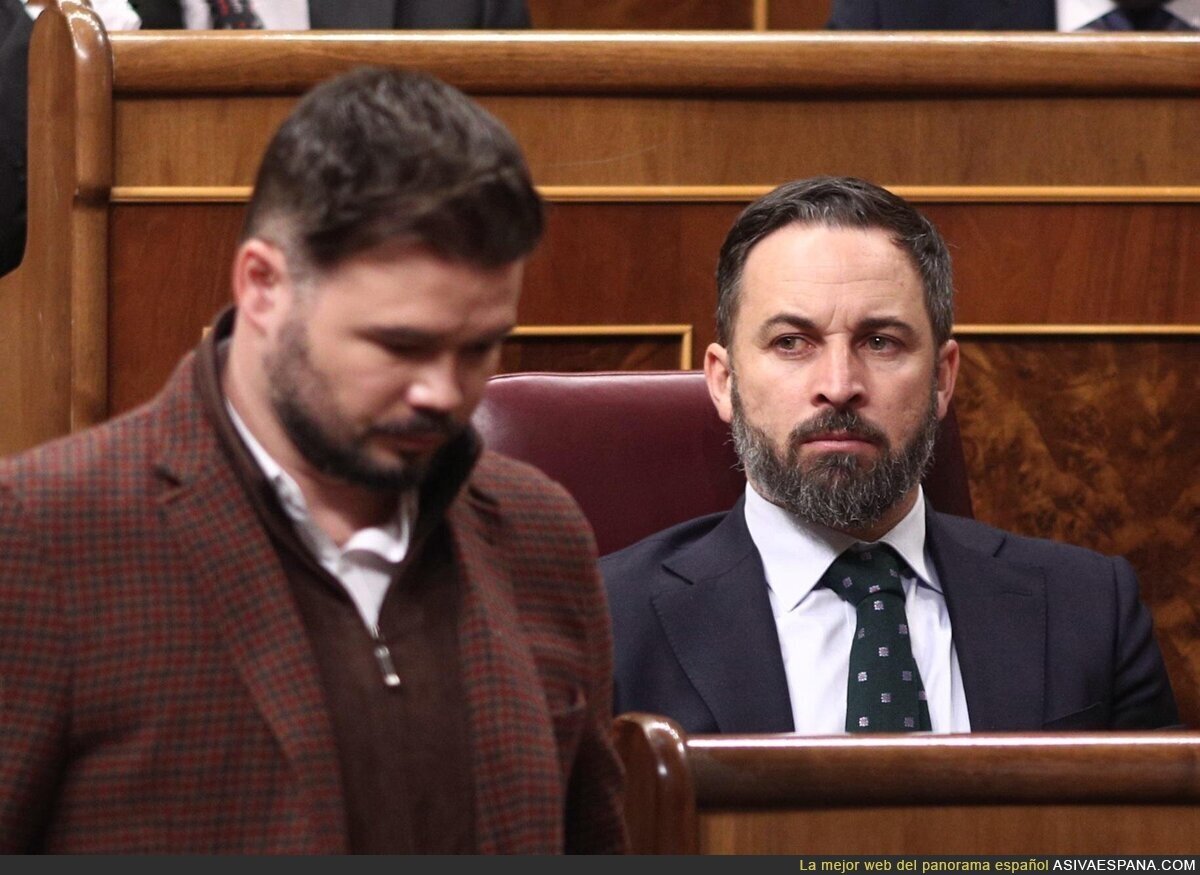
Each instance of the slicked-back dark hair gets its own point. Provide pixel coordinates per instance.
(379, 155)
(838, 202)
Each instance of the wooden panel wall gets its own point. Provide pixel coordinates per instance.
(1061, 171)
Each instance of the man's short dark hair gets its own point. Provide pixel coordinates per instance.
(379, 155)
(838, 202)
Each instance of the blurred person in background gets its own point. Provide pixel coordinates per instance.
(1061, 15)
(333, 14)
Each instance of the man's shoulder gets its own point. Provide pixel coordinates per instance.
(77, 458)
(505, 477)
(525, 497)
(111, 458)
(653, 551)
(1017, 548)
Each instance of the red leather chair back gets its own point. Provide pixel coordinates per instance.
(643, 450)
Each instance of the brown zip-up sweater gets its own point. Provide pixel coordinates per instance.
(403, 748)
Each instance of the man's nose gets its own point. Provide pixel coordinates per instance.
(437, 385)
(838, 378)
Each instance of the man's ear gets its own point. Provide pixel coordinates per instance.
(718, 373)
(262, 286)
(947, 375)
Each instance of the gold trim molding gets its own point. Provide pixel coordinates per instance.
(760, 16)
(986, 194)
(1034, 330)
(1024, 194)
(176, 194)
(683, 333)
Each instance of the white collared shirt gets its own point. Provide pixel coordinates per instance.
(1074, 14)
(367, 563)
(274, 14)
(116, 14)
(816, 626)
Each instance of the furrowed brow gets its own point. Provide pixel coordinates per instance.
(874, 324)
(785, 320)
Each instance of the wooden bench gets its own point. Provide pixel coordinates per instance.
(1118, 793)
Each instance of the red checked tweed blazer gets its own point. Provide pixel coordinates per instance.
(158, 692)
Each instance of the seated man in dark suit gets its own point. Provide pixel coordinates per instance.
(333, 14)
(15, 30)
(1063, 15)
(831, 598)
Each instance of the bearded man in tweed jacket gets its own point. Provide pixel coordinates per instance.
(291, 605)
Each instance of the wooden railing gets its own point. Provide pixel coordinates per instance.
(1119, 793)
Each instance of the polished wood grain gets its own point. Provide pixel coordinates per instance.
(596, 352)
(1073, 263)
(685, 140)
(961, 829)
(797, 14)
(163, 247)
(660, 806)
(1088, 793)
(1029, 264)
(52, 308)
(1096, 442)
(742, 194)
(170, 277)
(788, 770)
(641, 14)
(232, 62)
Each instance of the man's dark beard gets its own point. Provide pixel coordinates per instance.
(837, 489)
(297, 390)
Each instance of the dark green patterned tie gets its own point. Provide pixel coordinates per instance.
(884, 691)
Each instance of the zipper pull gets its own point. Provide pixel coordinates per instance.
(384, 657)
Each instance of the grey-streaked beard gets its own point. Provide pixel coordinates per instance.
(837, 489)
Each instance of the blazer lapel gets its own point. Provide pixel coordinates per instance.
(512, 743)
(238, 577)
(722, 631)
(998, 614)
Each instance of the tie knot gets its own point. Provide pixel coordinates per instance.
(864, 571)
(1154, 18)
(1151, 18)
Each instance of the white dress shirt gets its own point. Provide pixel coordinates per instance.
(116, 14)
(816, 626)
(275, 14)
(1074, 14)
(367, 563)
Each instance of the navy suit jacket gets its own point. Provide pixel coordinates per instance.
(374, 14)
(418, 14)
(1048, 636)
(15, 30)
(942, 15)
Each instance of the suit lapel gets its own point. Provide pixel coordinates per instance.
(353, 14)
(722, 631)
(998, 614)
(239, 579)
(1014, 15)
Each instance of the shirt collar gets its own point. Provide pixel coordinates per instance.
(796, 554)
(1074, 14)
(389, 541)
